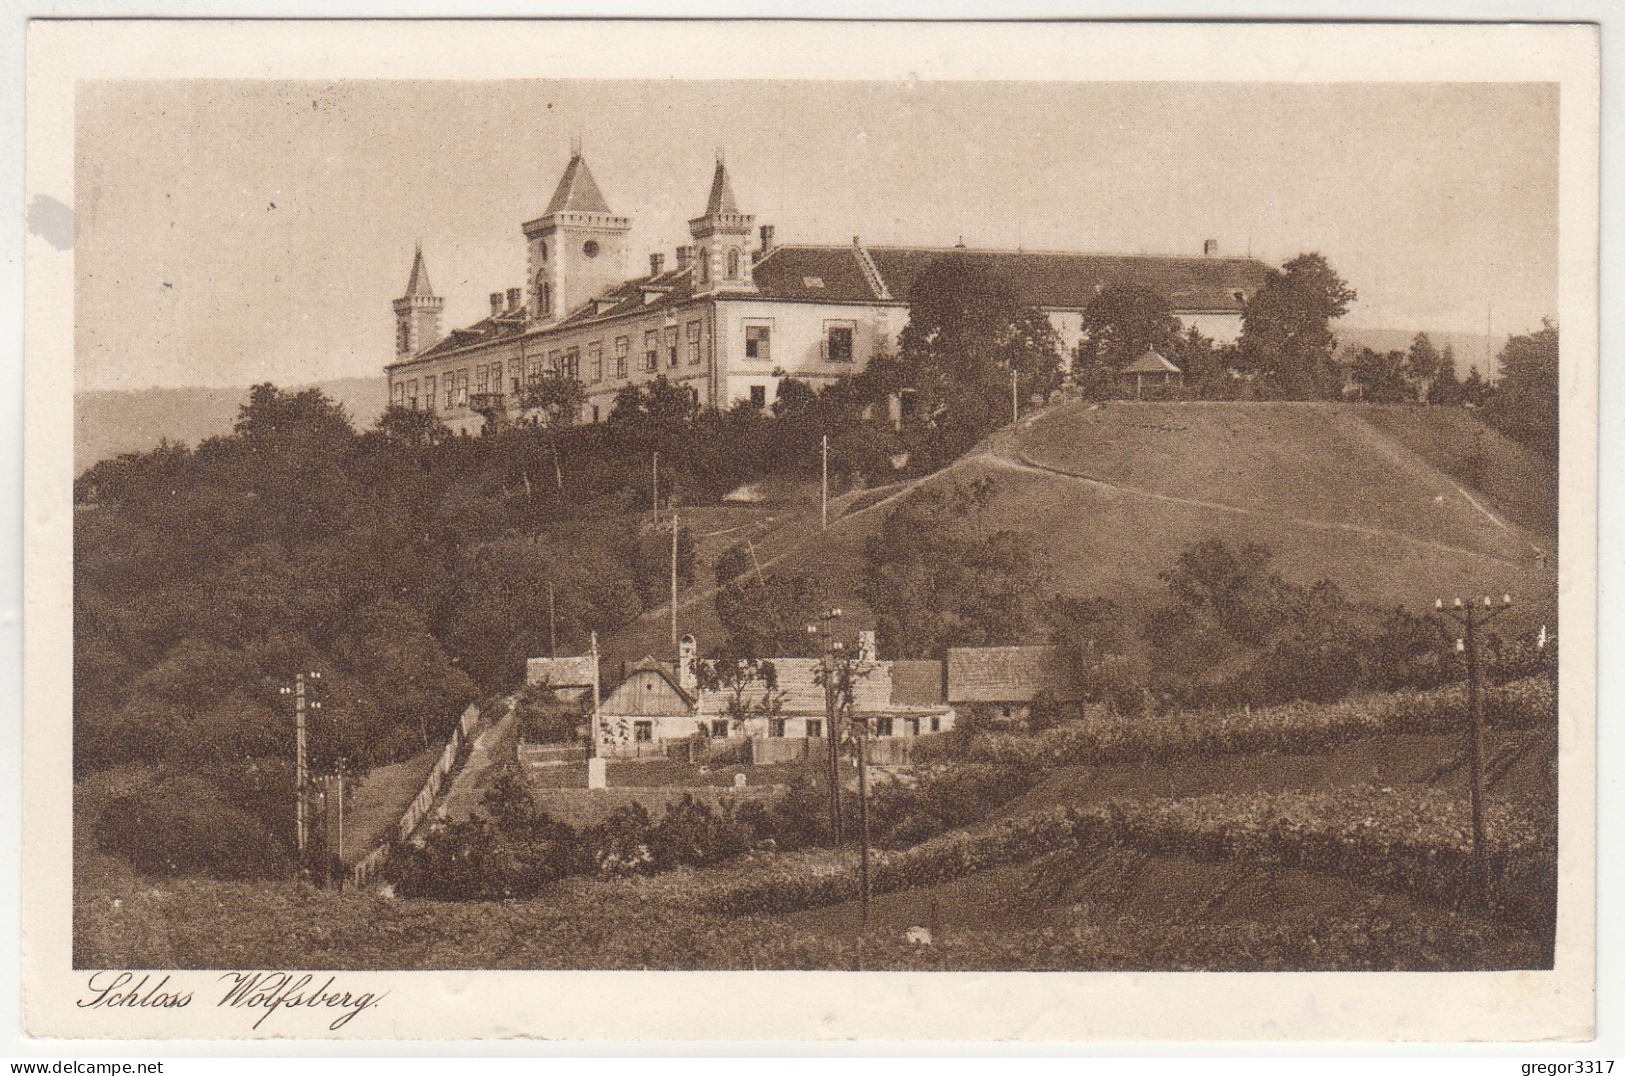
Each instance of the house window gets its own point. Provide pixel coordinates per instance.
(758, 344)
(671, 347)
(651, 350)
(462, 388)
(936, 724)
(412, 394)
(595, 412)
(815, 728)
(482, 377)
(451, 389)
(595, 360)
(758, 396)
(719, 728)
(623, 348)
(775, 727)
(838, 343)
(533, 370)
(553, 359)
(572, 363)
(643, 731)
(428, 393)
(400, 394)
(883, 726)
(516, 374)
(693, 343)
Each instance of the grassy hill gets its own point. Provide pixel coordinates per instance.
(108, 422)
(1397, 505)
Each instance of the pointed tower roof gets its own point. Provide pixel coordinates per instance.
(577, 191)
(418, 284)
(721, 200)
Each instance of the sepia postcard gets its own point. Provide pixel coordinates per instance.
(810, 531)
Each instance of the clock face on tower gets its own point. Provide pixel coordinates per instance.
(590, 248)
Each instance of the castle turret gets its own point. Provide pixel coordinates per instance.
(576, 248)
(417, 313)
(722, 257)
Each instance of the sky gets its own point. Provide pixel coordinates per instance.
(230, 232)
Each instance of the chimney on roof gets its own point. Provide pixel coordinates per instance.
(767, 238)
(961, 244)
(1210, 247)
(657, 262)
(685, 256)
(496, 303)
(515, 297)
(688, 652)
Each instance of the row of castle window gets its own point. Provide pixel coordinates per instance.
(488, 377)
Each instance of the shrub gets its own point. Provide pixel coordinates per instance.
(186, 826)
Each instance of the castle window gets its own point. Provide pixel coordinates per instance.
(482, 376)
(671, 347)
(533, 369)
(623, 348)
(403, 338)
(838, 342)
(412, 394)
(428, 393)
(758, 396)
(595, 412)
(516, 374)
(595, 360)
(462, 388)
(733, 264)
(693, 343)
(544, 300)
(758, 342)
(651, 350)
(703, 262)
(572, 363)
(400, 394)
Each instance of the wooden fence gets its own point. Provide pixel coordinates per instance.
(366, 869)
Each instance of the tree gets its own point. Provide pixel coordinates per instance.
(1475, 391)
(1121, 323)
(557, 395)
(1422, 362)
(1381, 376)
(1445, 388)
(1525, 403)
(968, 329)
(1286, 335)
(411, 427)
(749, 686)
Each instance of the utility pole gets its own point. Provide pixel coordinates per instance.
(674, 579)
(823, 499)
(1472, 618)
(1015, 398)
(654, 487)
(333, 807)
(831, 720)
(861, 734)
(552, 625)
(301, 777)
(597, 701)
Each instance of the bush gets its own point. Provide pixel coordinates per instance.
(186, 826)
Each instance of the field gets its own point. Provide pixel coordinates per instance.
(1352, 856)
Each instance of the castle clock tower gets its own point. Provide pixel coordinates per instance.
(576, 249)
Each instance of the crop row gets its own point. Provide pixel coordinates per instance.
(1413, 840)
(1295, 728)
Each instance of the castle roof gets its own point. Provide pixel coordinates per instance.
(721, 200)
(836, 274)
(417, 285)
(577, 191)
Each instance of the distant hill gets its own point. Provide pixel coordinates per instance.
(1469, 346)
(108, 422)
(1397, 505)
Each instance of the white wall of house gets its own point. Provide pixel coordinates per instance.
(798, 335)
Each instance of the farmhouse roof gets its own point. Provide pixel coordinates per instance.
(574, 671)
(1150, 363)
(917, 683)
(1008, 674)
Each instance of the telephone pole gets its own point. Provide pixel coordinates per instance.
(823, 629)
(301, 775)
(860, 730)
(1015, 398)
(674, 578)
(1472, 619)
(654, 487)
(552, 625)
(823, 498)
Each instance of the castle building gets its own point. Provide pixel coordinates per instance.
(734, 313)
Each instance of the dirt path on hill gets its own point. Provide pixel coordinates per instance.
(1002, 453)
(493, 745)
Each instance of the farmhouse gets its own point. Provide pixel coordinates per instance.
(1001, 682)
(734, 312)
(572, 679)
(659, 702)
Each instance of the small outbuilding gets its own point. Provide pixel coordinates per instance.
(1149, 371)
